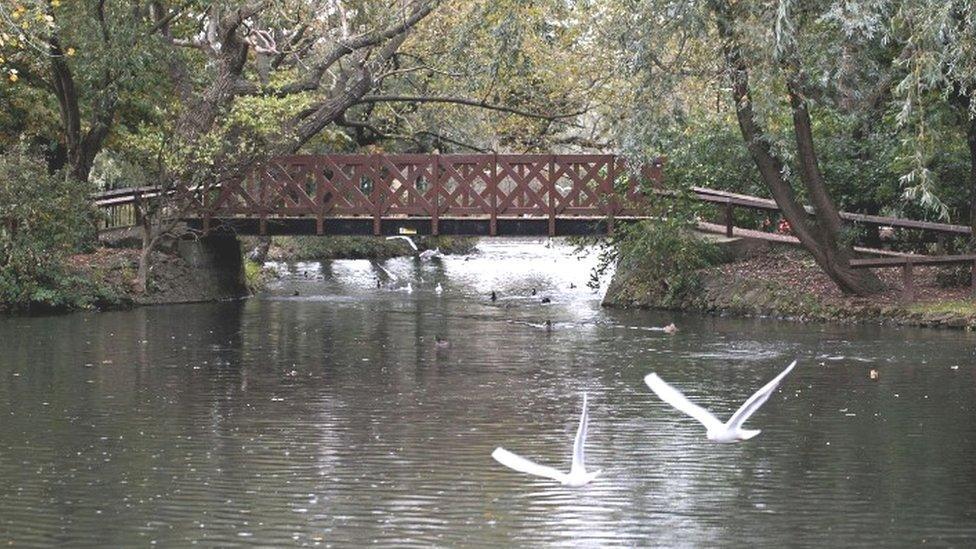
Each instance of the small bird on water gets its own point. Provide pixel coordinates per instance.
(671, 329)
(873, 375)
(441, 343)
(494, 296)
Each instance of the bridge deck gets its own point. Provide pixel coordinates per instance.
(449, 226)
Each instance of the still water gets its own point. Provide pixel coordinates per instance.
(331, 418)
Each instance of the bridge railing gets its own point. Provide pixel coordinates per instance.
(489, 186)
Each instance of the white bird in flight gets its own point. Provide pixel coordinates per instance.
(427, 255)
(407, 239)
(577, 472)
(730, 431)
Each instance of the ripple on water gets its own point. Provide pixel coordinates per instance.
(330, 417)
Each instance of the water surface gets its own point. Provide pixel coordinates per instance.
(331, 418)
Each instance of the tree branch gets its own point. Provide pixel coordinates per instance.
(464, 101)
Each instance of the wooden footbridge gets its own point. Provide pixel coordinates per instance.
(426, 194)
(469, 195)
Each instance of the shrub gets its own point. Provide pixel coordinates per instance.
(44, 218)
(665, 256)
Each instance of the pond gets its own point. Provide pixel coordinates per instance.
(330, 417)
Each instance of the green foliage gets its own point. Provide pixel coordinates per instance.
(709, 152)
(664, 255)
(43, 219)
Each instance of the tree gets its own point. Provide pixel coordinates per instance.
(938, 41)
(721, 44)
(90, 59)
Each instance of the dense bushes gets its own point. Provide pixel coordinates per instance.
(665, 256)
(44, 218)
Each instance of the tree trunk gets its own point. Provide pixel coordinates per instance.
(971, 139)
(145, 253)
(821, 237)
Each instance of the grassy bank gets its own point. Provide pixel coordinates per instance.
(787, 284)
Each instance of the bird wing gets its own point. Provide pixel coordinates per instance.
(757, 399)
(523, 465)
(674, 397)
(407, 238)
(580, 441)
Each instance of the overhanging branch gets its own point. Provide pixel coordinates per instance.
(468, 102)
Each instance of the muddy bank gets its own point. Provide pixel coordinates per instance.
(787, 284)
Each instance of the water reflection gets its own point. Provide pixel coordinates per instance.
(331, 417)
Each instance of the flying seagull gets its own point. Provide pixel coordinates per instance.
(407, 239)
(428, 255)
(577, 473)
(730, 431)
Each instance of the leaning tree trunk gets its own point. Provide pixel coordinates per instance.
(971, 139)
(821, 237)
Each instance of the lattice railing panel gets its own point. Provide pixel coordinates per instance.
(434, 186)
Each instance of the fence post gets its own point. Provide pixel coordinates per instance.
(435, 174)
(551, 193)
(373, 163)
(908, 284)
(728, 218)
(493, 192)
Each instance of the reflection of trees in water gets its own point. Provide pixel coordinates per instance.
(398, 444)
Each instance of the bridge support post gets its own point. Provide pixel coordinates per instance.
(218, 263)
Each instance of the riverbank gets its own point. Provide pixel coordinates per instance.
(173, 279)
(105, 279)
(785, 283)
